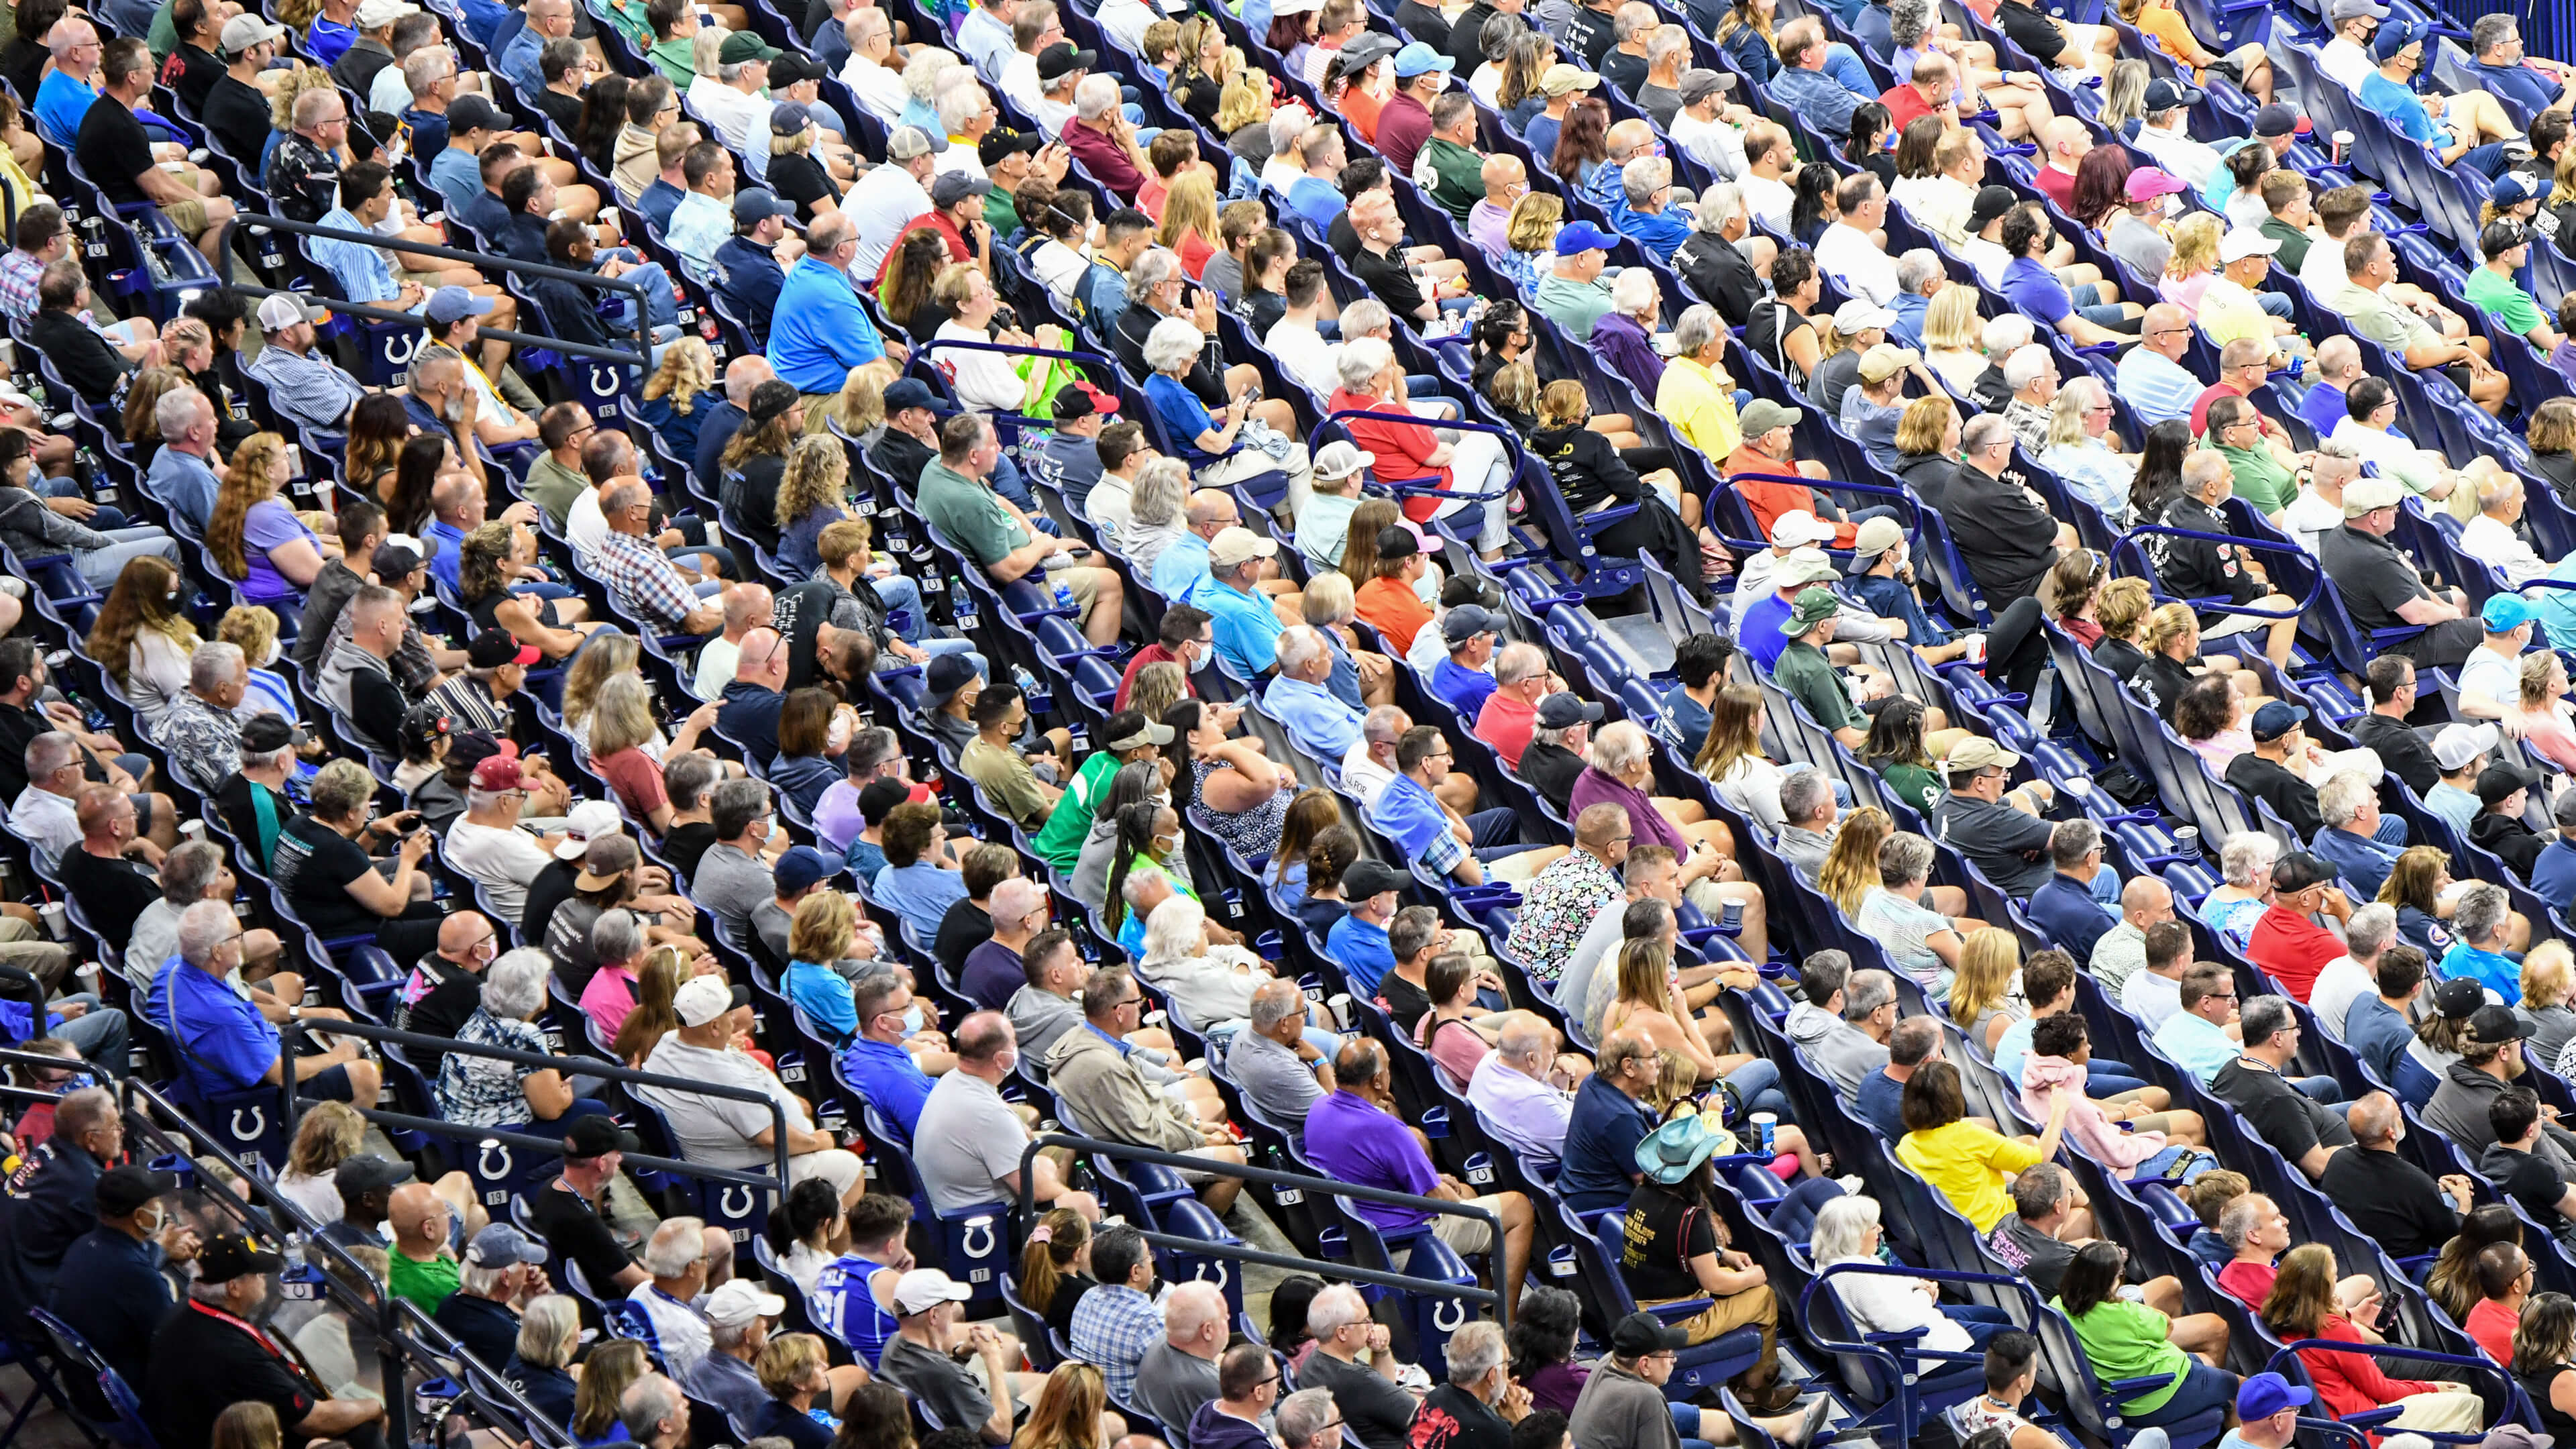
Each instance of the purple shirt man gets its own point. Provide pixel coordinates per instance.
(1353, 1141)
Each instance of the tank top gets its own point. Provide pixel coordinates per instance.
(2552, 1422)
(847, 1308)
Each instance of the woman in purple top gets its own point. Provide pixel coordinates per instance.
(1625, 335)
(253, 536)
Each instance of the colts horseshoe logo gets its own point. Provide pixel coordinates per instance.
(726, 1205)
(258, 1124)
(483, 1162)
(399, 348)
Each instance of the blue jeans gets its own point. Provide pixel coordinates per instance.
(1757, 1082)
(1497, 834)
(2322, 1089)
(902, 596)
(2488, 160)
(1006, 481)
(2104, 1079)
(100, 566)
(98, 1034)
(2206, 1389)
(1981, 1320)
(661, 308)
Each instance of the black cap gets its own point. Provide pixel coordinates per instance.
(595, 1137)
(495, 647)
(2299, 870)
(1064, 58)
(122, 1190)
(770, 401)
(1396, 541)
(2496, 1025)
(234, 1255)
(2496, 783)
(394, 562)
(1991, 202)
(877, 799)
(1639, 1334)
(1002, 141)
(1564, 711)
(471, 748)
(1367, 878)
(270, 733)
(946, 675)
(791, 68)
(368, 1171)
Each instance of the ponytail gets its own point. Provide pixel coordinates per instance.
(1052, 1246)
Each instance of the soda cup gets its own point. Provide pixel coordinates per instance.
(2342, 143)
(1730, 917)
(1763, 1124)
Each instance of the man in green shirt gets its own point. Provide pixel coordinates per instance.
(1573, 295)
(1125, 737)
(556, 481)
(2506, 244)
(2284, 190)
(1804, 674)
(955, 499)
(1456, 166)
(420, 1267)
(675, 30)
(2236, 434)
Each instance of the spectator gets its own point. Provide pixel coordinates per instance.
(726, 1132)
(2295, 1124)
(228, 1046)
(1375, 1412)
(2302, 1306)
(202, 1362)
(2533, 1180)
(493, 1286)
(483, 1091)
(963, 1152)
(2397, 1203)
(2123, 1338)
(1180, 1372)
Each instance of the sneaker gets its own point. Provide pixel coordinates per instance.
(1851, 1183)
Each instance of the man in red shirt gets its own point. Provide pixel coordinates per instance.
(1100, 138)
(1770, 437)
(1421, 73)
(2286, 943)
(1184, 640)
(1932, 92)
(2064, 141)
(2504, 1281)
(1520, 683)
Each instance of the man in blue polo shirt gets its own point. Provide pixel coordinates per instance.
(2360, 841)
(2087, 316)
(1609, 1120)
(2481, 922)
(2527, 86)
(225, 1045)
(1183, 565)
(876, 1061)
(1240, 615)
(1316, 719)
(1357, 942)
(1465, 680)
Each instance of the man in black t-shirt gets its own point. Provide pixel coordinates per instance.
(1379, 261)
(2382, 590)
(2264, 773)
(2043, 1199)
(819, 642)
(2197, 568)
(192, 69)
(110, 889)
(1591, 30)
(2004, 834)
(2394, 1202)
(118, 155)
(1554, 757)
(1461, 1414)
(267, 758)
(2402, 751)
(566, 1212)
(2530, 1177)
(235, 112)
(2298, 1127)
(454, 973)
(213, 1354)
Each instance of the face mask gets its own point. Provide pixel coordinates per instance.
(1009, 1060)
(267, 656)
(911, 1020)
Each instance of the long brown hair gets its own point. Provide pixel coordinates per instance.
(1359, 545)
(143, 397)
(917, 263)
(140, 601)
(611, 1369)
(246, 484)
(2303, 1292)
(1851, 861)
(1045, 1263)
(1734, 730)
(652, 1014)
(376, 433)
(1067, 1413)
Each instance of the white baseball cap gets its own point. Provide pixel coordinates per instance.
(923, 1289)
(739, 1302)
(588, 820)
(701, 999)
(2242, 242)
(1797, 527)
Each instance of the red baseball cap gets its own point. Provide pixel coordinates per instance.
(500, 772)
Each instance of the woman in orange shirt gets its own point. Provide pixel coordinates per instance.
(2160, 22)
(1356, 82)
(1372, 380)
(1189, 220)
(1388, 601)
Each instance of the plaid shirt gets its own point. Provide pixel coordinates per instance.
(204, 742)
(484, 1091)
(1113, 1325)
(19, 273)
(1558, 908)
(642, 579)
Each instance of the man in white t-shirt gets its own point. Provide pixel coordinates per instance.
(1849, 252)
(2319, 506)
(2355, 974)
(2164, 139)
(727, 1131)
(889, 198)
(2346, 58)
(2491, 677)
(966, 1144)
(1768, 159)
(2154, 992)
(487, 843)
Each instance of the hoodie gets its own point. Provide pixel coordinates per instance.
(29, 529)
(2042, 1078)
(1098, 1082)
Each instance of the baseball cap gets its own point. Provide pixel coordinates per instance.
(122, 1190)
(2491, 1025)
(2459, 998)
(907, 392)
(279, 312)
(370, 1170)
(1991, 203)
(2152, 181)
(952, 187)
(1368, 878)
(1082, 400)
(1561, 79)
(1467, 621)
(1801, 567)
(947, 674)
(2299, 870)
(1340, 460)
(1859, 315)
(2369, 495)
(2514, 188)
(495, 647)
(588, 820)
(502, 1246)
(2393, 37)
(1000, 142)
(2166, 95)
(906, 142)
(1583, 236)
(701, 999)
(1643, 1333)
(234, 1255)
(2498, 782)
(469, 748)
(1368, 49)
(1812, 607)
(1876, 537)
(1886, 360)
(1699, 83)
(1761, 416)
(790, 118)
(1146, 732)
(800, 867)
(268, 733)
(754, 204)
(1564, 711)
(244, 31)
(471, 112)
(1976, 752)
(605, 861)
(2263, 1395)
(1418, 59)
(500, 772)
(1397, 541)
(2357, 9)
(1064, 58)
(2505, 613)
(1237, 544)
(744, 45)
(1797, 525)
(739, 1302)
(2275, 720)
(593, 1137)
(923, 1289)
(2242, 242)
(450, 304)
(376, 14)
(793, 68)
(2457, 744)
(2278, 120)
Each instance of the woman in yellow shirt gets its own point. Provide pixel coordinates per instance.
(1970, 1164)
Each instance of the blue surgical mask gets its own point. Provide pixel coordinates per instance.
(911, 1020)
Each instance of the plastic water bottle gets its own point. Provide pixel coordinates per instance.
(1026, 681)
(1064, 598)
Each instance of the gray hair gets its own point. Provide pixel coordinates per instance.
(1620, 747)
(960, 105)
(1519, 660)
(2004, 334)
(1173, 345)
(2340, 799)
(2200, 468)
(1160, 488)
(1096, 97)
(1915, 270)
(648, 1401)
(483, 1280)
(514, 987)
(1275, 1001)
(2489, 32)
(1666, 41)
(1908, 20)
(203, 927)
(2236, 1220)
(616, 936)
(49, 752)
(1174, 931)
(1334, 1308)
(1152, 268)
(548, 1330)
(1694, 330)
(421, 69)
(1635, 294)
(1362, 359)
(1983, 431)
(1381, 725)
(188, 869)
(2024, 365)
(1286, 125)
(675, 1245)
(2369, 931)
(1298, 647)
(1365, 316)
(1904, 857)
(2481, 912)
(1642, 178)
(1866, 992)
(1842, 1226)
(1801, 793)
(1476, 1350)
(176, 412)
(1302, 1415)
(2245, 855)
(2071, 841)
(211, 666)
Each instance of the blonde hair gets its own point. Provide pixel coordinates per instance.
(823, 928)
(1189, 207)
(249, 626)
(1951, 323)
(787, 1360)
(1926, 423)
(1987, 962)
(1563, 404)
(1244, 102)
(611, 652)
(817, 477)
(1850, 870)
(1533, 222)
(621, 717)
(2195, 245)
(688, 369)
(2545, 974)
(860, 406)
(246, 485)
(328, 1136)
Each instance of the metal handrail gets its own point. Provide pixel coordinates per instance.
(1404, 488)
(1301, 1181)
(2129, 540)
(290, 1035)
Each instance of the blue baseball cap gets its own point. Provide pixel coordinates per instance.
(1583, 236)
(2275, 720)
(1417, 58)
(2505, 613)
(2263, 1395)
(803, 866)
(2394, 36)
(451, 304)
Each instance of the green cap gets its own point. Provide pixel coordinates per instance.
(1812, 607)
(743, 45)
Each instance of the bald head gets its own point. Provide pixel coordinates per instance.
(2167, 330)
(2066, 140)
(744, 606)
(1629, 140)
(1527, 1042)
(1190, 1311)
(743, 374)
(2373, 1119)
(2145, 898)
(1501, 173)
(419, 1216)
(461, 933)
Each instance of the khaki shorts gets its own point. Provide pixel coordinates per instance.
(1465, 1235)
(188, 216)
(1085, 583)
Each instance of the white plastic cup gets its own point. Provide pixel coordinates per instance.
(1763, 1124)
(57, 918)
(193, 829)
